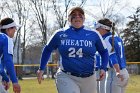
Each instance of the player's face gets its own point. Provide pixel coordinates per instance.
(77, 19)
(11, 31)
(101, 31)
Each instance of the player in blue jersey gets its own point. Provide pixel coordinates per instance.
(117, 74)
(77, 46)
(8, 28)
(100, 83)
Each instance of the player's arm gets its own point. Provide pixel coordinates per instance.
(114, 60)
(104, 56)
(113, 56)
(117, 70)
(8, 59)
(8, 63)
(102, 49)
(11, 71)
(51, 45)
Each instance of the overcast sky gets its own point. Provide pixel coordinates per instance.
(128, 9)
(134, 3)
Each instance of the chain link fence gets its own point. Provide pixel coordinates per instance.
(26, 71)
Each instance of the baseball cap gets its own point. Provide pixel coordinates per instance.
(76, 9)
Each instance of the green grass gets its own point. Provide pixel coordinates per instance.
(48, 86)
(134, 84)
(32, 86)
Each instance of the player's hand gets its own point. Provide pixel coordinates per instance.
(102, 75)
(16, 88)
(40, 76)
(6, 85)
(120, 76)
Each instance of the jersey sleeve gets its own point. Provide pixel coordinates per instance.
(8, 60)
(113, 59)
(102, 49)
(49, 47)
(120, 53)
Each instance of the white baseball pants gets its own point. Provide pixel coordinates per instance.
(114, 84)
(71, 84)
(100, 84)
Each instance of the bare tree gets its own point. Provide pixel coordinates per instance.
(40, 8)
(112, 9)
(6, 9)
(22, 11)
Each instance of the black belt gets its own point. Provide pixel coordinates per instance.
(96, 69)
(107, 69)
(79, 75)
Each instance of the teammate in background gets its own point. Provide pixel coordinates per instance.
(117, 74)
(77, 47)
(8, 28)
(97, 70)
(100, 83)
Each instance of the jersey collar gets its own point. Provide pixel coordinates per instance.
(107, 34)
(76, 29)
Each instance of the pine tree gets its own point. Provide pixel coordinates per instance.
(131, 37)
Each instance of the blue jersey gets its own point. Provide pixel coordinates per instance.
(117, 56)
(6, 53)
(120, 51)
(77, 48)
